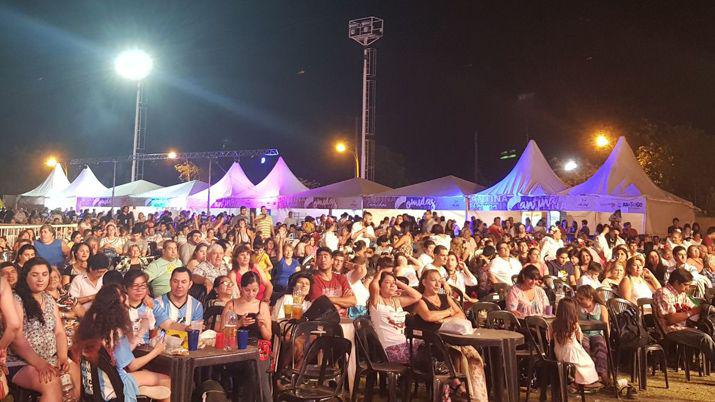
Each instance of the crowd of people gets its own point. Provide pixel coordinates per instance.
(121, 279)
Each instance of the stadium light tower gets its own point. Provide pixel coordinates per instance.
(367, 31)
(135, 65)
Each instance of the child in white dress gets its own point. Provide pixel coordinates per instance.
(566, 336)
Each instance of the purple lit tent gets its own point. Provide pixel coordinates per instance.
(173, 197)
(336, 198)
(233, 182)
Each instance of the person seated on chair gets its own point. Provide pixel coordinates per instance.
(562, 268)
(221, 293)
(674, 308)
(638, 282)
(107, 324)
(39, 351)
(143, 311)
(434, 307)
(331, 284)
(387, 298)
(527, 297)
(299, 282)
(178, 309)
(85, 286)
(207, 271)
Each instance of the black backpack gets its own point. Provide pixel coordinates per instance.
(632, 332)
(322, 309)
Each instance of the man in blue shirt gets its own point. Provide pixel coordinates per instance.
(178, 307)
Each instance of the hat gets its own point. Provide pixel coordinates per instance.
(98, 261)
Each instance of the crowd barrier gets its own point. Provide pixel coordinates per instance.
(12, 231)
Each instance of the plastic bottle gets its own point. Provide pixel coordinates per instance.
(66, 383)
(230, 326)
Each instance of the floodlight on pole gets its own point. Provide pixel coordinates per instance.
(367, 31)
(570, 165)
(602, 140)
(135, 65)
(171, 155)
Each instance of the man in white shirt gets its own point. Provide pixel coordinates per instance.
(363, 230)
(84, 287)
(551, 243)
(440, 260)
(330, 239)
(503, 266)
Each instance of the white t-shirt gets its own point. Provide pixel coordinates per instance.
(389, 323)
(442, 240)
(357, 226)
(359, 289)
(330, 240)
(425, 259)
(461, 281)
(549, 248)
(410, 273)
(504, 269)
(588, 280)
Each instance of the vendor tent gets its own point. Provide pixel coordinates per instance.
(55, 183)
(529, 183)
(621, 184)
(279, 182)
(85, 185)
(346, 194)
(121, 195)
(233, 182)
(170, 197)
(446, 193)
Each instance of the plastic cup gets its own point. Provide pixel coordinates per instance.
(288, 310)
(193, 339)
(242, 338)
(219, 341)
(297, 311)
(548, 310)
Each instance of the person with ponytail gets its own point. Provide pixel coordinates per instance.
(592, 308)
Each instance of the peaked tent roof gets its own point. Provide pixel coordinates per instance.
(531, 175)
(622, 176)
(354, 187)
(234, 181)
(133, 187)
(447, 186)
(54, 184)
(86, 185)
(280, 181)
(176, 191)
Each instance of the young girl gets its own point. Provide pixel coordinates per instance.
(591, 308)
(566, 336)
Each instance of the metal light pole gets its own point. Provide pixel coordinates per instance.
(367, 31)
(208, 190)
(136, 65)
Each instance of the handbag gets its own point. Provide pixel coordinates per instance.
(459, 326)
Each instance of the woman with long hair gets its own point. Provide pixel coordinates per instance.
(80, 256)
(584, 261)
(535, 260)
(112, 243)
(638, 282)
(405, 240)
(25, 253)
(592, 308)
(654, 263)
(198, 256)
(107, 324)
(140, 305)
(566, 335)
(241, 264)
(40, 349)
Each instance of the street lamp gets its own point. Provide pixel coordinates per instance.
(135, 65)
(341, 148)
(51, 162)
(602, 140)
(171, 155)
(570, 165)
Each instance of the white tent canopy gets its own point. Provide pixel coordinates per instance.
(175, 196)
(531, 175)
(86, 185)
(134, 187)
(55, 183)
(279, 182)
(444, 193)
(233, 182)
(621, 183)
(346, 194)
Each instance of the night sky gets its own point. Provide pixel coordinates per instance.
(283, 74)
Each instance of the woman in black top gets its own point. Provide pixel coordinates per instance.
(435, 308)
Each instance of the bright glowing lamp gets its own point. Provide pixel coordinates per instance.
(602, 141)
(51, 162)
(570, 165)
(171, 155)
(341, 147)
(133, 64)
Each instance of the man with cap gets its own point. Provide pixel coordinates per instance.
(85, 286)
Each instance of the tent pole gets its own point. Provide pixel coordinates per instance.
(208, 193)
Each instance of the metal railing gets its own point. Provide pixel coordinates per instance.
(12, 231)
